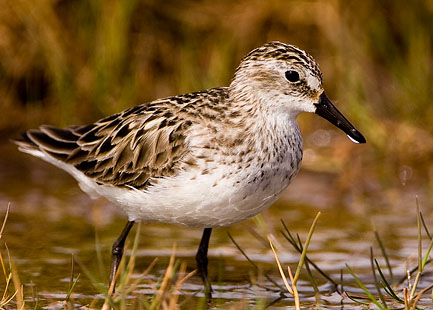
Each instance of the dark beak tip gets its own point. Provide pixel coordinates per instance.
(356, 136)
(362, 140)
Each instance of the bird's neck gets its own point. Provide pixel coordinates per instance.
(257, 131)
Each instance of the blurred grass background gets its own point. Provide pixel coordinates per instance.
(67, 62)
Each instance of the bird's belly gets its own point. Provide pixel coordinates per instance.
(221, 198)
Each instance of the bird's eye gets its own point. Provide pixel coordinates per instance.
(292, 76)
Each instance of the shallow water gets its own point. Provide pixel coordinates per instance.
(51, 219)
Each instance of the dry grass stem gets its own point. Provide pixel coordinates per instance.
(295, 290)
(283, 276)
(5, 219)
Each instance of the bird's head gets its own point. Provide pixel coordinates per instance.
(284, 79)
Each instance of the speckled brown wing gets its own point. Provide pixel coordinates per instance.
(125, 149)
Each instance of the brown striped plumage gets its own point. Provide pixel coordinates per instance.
(128, 148)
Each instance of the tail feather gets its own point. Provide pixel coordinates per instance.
(55, 146)
(58, 143)
(25, 144)
(81, 130)
(58, 134)
(49, 144)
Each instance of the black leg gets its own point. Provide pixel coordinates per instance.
(117, 253)
(201, 258)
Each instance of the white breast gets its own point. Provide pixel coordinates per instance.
(210, 200)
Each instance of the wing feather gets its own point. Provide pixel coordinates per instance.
(126, 149)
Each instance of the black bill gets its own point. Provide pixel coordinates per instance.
(326, 109)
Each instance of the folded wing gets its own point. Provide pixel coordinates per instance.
(126, 149)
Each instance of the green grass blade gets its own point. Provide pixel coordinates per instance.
(313, 283)
(304, 251)
(382, 249)
(252, 263)
(242, 252)
(420, 260)
(68, 296)
(366, 291)
(376, 282)
(387, 286)
(341, 281)
(425, 226)
(357, 301)
(288, 236)
(426, 257)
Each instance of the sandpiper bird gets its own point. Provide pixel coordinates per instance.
(206, 159)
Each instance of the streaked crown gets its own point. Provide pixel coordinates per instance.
(281, 77)
(284, 52)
